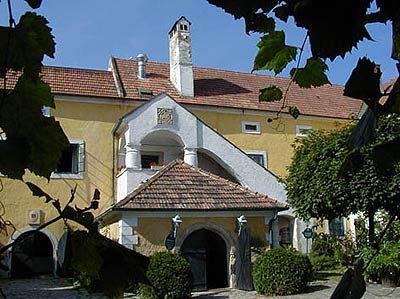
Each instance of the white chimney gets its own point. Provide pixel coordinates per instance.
(141, 59)
(180, 57)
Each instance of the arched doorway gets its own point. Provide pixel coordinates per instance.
(207, 254)
(33, 256)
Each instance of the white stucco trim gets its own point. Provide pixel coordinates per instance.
(45, 231)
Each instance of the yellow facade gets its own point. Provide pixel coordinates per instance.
(93, 124)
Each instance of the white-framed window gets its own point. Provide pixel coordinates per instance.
(251, 127)
(260, 157)
(303, 130)
(72, 162)
(337, 227)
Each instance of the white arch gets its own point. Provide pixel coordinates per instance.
(220, 231)
(170, 133)
(45, 231)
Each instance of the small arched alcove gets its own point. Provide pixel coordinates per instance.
(32, 256)
(206, 252)
(160, 147)
(209, 162)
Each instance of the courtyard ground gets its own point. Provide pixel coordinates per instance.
(49, 287)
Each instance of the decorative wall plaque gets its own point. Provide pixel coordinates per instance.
(165, 116)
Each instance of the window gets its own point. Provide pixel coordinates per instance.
(72, 162)
(250, 127)
(303, 130)
(336, 227)
(259, 157)
(151, 159)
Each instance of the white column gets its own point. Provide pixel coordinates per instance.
(190, 156)
(126, 231)
(132, 156)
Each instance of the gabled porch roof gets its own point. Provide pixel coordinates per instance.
(179, 186)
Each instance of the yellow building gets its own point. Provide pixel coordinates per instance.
(140, 122)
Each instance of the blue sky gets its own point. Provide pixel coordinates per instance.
(88, 32)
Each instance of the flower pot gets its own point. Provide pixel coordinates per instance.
(390, 281)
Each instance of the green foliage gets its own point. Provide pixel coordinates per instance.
(316, 187)
(270, 94)
(330, 252)
(386, 263)
(273, 54)
(33, 141)
(313, 74)
(170, 275)
(281, 272)
(365, 71)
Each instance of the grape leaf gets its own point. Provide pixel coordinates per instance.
(30, 40)
(334, 28)
(282, 12)
(364, 81)
(270, 94)
(273, 54)
(244, 8)
(40, 137)
(34, 3)
(313, 74)
(260, 23)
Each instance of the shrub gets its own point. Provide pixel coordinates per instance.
(385, 263)
(330, 252)
(170, 275)
(281, 272)
(323, 262)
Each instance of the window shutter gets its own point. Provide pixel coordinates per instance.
(81, 157)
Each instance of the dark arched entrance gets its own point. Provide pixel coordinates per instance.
(33, 256)
(207, 255)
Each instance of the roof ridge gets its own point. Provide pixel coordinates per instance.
(74, 68)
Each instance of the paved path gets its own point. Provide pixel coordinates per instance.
(58, 288)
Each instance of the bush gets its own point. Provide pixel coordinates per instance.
(330, 252)
(323, 262)
(385, 263)
(281, 272)
(170, 275)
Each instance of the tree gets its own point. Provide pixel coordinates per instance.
(333, 29)
(317, 187)
(31, 141)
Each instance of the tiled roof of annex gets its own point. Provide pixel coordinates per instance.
(213, 87)
(185, 187)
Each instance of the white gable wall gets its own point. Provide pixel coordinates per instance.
(194, 136)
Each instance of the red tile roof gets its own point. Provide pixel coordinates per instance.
(184, 187)
(213, 87)
(71, 81)
(223, 88)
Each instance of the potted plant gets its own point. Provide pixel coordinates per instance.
(386, 265)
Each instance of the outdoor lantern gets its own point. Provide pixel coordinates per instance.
(176, 221)
(242, 221)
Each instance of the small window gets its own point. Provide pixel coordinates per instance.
(185, 27)
(251, 127)
(181, 26)
(336, 227)
(303, 131)
(151, 160)
(71, 164)
(259, 157)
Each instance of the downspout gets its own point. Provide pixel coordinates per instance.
(114, 130)
(271, 232)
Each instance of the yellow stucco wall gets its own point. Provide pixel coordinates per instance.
(93, 124)
(276, 137)
(152, 232)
